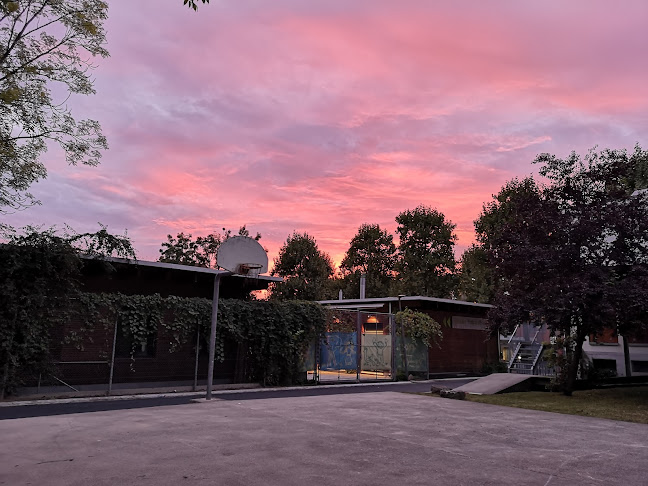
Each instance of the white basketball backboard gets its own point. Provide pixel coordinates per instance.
(239, 253)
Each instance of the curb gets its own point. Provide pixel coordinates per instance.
(198, 394)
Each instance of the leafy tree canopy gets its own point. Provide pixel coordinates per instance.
(572, 253)
(304, 267)
(201, 252)
(45, 46)
(426, 252)
(476, 278)
(372, 251)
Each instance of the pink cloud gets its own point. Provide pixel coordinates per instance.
(321, 116)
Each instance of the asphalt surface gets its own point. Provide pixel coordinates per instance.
(90, 405)
(365, 438)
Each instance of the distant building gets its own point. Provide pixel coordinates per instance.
(467, 345)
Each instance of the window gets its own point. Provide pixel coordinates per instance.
(605, 364)
(639, 366)
(373, 326)
(124, 345)
(607, 336)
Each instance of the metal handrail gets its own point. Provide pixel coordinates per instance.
(536, 334)
(537, 357)
(513, 334)
(515, 353)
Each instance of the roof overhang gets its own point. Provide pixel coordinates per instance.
(181, 268)
(380, 301)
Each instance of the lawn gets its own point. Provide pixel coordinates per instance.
(629, 404)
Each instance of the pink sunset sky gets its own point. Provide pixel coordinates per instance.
(319, 116)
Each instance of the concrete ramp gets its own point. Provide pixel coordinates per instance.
(498, 383)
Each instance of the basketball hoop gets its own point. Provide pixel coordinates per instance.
(251, 270)
(239, 255)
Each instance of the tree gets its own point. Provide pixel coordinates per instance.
(372, 252)
(476, 277)
(304, 267)
(201, 252)
(43, 49)
(572, 253)
(426, 263)
(637, 177)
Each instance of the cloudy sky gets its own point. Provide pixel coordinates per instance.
(319, 116)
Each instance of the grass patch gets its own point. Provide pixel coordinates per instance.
(629, 404)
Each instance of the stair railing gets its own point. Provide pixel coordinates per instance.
(537, 358)
(513, 356)
(535, 336)
(513, 333)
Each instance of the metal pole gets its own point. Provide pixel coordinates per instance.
(212, 334)
(400, 309)
(112, 358)
(195, 383)
(626, 357)
(392, 332)
(358, 346)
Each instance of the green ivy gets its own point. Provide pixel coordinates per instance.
(275, 335)
(418, 326)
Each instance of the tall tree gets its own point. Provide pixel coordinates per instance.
(46, 47)
(305, 269)
(371, 251)
(426, 263)
(476, 277)
(201, 252)
(573, 253)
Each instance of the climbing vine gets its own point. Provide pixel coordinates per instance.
(418, 326)
(274, 334)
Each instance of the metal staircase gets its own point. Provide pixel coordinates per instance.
(527, 357)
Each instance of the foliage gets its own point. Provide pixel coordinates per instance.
(637, 176)
(46, 46)
(201, 252)
(102, 244)
(38, 276)
(426, 260)
(559, 355)
(192, 3)
(341, 321)
(476, 278)
(418, 326)
(305, 270)
(573, 253)
(494, 367)
(275, 334)
(372, 252)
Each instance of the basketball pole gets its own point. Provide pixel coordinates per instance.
(212, 333)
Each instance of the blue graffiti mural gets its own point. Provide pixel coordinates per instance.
(339, 351)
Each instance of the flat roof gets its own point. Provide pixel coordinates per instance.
(367, 303)
(184, 268)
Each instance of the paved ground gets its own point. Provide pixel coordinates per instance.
(354, 439)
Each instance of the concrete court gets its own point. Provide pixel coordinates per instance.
(359, 439)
